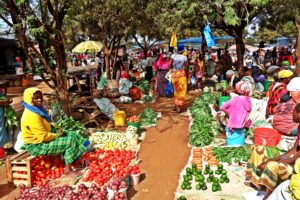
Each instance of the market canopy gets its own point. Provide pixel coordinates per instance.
(283, 42)
(247, 46)
(199, 39)
(90, 46)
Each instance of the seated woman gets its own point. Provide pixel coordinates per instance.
(38, 135)
(283, 118)
(266, 168)
(277, 90)
(238, 108)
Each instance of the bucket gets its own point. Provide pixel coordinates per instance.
(137, 125)
(119, 117)
(265, 136)
(24, 82)
(135, 179)
(235, 137)
(267, 85)
(223, 99)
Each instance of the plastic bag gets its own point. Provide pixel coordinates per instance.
(169, 76)
(102, 83)
(169, 90)
(106, 107)
(19, 143)
(124, 86)
(125, 99)
(193, 80)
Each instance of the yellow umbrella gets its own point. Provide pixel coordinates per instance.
(88, 46)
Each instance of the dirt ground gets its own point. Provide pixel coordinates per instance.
(163, 153)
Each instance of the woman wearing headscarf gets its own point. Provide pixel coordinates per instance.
(283, 118)
(179, 79)
(161, 67)
(277, 90)
(40, 138)
(238, 109)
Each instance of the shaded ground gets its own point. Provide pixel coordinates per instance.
(163, 153)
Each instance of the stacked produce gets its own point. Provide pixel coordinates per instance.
(45, 168)
(134, 118)
(144, 86)
(148, 117)
(229, 154)
(204, 126)
(109, 140)
(107, 164)
(216, 178)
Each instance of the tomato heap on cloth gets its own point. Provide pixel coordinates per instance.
(107, 164)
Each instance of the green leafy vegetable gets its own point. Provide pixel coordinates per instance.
(11, 119)
(148, 117)
(69, 124)
(204, 126)
(226, 154)
(144, 86)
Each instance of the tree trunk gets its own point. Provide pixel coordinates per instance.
(240, 50)
(203, 47)
(106, 62)
(297, 70)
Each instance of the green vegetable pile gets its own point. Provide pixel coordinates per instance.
(148, 98)
(11, 119)
(144, 86)
(226, 154)
(148, 117)
(216, 177)
(204, 126)
(69, 124)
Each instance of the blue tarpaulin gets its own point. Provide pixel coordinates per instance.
(199, 39)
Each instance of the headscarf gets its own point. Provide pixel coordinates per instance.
(294, 85)
(161, 63)
(285, 74)
(244, 88)
(27, 103)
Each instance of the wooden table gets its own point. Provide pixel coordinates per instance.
(12, 78)
(76, 72)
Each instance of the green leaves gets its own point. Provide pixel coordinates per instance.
(11, 119)
(203, 127)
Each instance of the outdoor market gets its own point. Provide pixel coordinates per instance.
(177, 100)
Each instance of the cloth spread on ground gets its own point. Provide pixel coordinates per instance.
(106, 107)
(238, 110)
(272, 173)
(283, 118)
(180, 87)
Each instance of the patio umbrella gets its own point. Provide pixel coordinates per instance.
(88, 46)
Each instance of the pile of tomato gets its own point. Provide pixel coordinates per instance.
(111, 163)
(45, 168)
(134, 118)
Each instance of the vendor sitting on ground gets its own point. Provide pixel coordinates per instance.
(283, 118)
(277, 90)
(238, 108)
(40, 138)
(266, 168)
